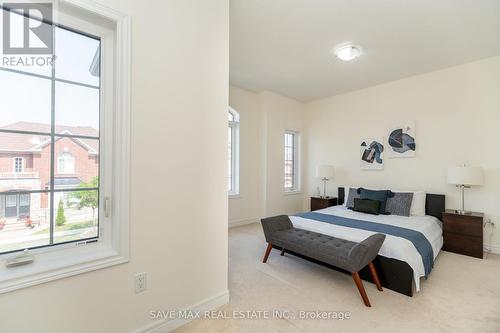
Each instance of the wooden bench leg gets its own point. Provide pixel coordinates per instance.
(373, 271)
(282, 252)
(268, 250)
(361, 289)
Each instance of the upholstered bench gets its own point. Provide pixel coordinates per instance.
(347, 255)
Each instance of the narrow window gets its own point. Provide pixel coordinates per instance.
(233, 152)
(291, 165)
(18, 164)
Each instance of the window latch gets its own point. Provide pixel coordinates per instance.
(107, 206)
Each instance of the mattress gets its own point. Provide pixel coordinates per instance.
(394, 247)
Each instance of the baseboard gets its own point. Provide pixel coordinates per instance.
(495, 249)
(168, 325)
(237, 223)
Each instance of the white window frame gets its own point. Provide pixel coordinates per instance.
(112, 247)
(296, 163)
(63, 157)
(15, 164)
(235, 153)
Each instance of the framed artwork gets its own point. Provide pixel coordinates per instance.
(372, 154)
(401, 140)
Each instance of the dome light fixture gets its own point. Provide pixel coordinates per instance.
(348, 52)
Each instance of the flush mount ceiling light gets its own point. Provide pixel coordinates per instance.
(348, 52)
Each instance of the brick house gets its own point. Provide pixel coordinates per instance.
(25, 165)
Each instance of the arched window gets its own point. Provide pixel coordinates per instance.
(233, 151)
(65, 163)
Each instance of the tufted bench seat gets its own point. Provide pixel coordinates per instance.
(347, 255)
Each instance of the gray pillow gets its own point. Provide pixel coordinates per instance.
(399, 204)
(353, 194)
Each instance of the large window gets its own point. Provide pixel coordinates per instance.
(64, 123)
(233, 152)
(291, 165)
(65, 113)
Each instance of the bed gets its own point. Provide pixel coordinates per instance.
(399, 263)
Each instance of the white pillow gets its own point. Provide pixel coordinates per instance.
(418, 203)
(346, 194)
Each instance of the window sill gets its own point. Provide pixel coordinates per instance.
(292, 192)
(234, 196)
(58, 264)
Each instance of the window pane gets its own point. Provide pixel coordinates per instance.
(78, 57)
(288, 140)
(75, 215)
(24, 166)
(34, 151)
(77, 106)
(38, 63)
(76, 163)
(289, 161)
(24, 220)
(25, 102)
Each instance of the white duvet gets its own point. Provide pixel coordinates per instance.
(393, 247)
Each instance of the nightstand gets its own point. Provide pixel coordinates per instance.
(320, 203)
(463, 233)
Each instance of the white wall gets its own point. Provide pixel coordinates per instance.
(264, 117)
(178, 216)
(248, 206)
(281, 113)
(457, 114)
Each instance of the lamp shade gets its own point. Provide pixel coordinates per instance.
(325, 171)
(465, 175)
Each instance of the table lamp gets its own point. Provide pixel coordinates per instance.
(325, 172)
(465, 177)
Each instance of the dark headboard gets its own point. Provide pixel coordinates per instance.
(434, 203)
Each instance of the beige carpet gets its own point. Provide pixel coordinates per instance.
(461, 295)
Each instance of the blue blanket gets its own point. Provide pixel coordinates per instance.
(417, 238)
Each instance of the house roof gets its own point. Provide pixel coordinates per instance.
(34, 142)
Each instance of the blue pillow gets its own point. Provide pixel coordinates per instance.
(381, 196)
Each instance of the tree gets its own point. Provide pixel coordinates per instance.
(60, 218)
(82, 199)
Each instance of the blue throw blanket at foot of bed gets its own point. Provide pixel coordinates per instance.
(417, 238)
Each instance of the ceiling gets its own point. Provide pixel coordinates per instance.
(286, 45)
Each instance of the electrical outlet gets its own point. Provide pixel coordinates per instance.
(140, 282)
(490, 222)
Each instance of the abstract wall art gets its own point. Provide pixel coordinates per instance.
(372, 154)
(401, 140)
